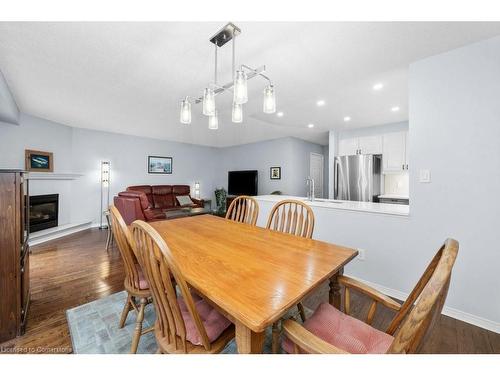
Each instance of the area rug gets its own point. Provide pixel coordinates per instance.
(94, 328)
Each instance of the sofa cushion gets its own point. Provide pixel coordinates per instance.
(162, 196)
(143, 200)
(344, 332)
(146, 189)
(184, 200)
(129, 208)
(180, 190)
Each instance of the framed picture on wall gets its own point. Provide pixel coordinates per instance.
(275, 173)
(38, 161)
(159, 165)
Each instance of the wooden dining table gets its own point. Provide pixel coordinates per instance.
(252, 275)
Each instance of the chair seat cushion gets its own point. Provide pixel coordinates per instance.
(215, 323)
(143, 282)
(344, 332)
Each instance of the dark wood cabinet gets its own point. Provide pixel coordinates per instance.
(14, 254)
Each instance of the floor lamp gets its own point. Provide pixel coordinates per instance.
(105, 169)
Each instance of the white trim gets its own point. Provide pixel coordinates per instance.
(315, 154)
(58, 232)
(448, 311)
(52, 176)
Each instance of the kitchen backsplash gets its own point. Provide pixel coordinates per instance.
(397, 184)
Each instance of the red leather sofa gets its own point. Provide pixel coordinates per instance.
(149, 202)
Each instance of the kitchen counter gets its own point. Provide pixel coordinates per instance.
(370, 207)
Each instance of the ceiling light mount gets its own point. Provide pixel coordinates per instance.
(226, 34)
(238, 86)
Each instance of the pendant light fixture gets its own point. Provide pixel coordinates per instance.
(240, 88)
(239, 85)
(185, 111)
(213, 121)
(237, 113)
(269, 100)
(208, 102)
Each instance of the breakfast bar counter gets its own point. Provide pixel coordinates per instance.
(369, 207)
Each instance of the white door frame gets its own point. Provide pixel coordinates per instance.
(315, 154)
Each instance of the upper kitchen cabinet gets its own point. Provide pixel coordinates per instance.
(348, 146)
(361, 145)
(370, 144)
(395, 152)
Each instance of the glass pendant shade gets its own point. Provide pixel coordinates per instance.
(240, 88)
(208, 102)
(269, 100)
(213, 121)
(185, 112)
(237, 115)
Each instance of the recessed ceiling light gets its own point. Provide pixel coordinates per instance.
(310, 125)
(347, 119)
(395, 109)
(280, 114)
(378, 86)
(320, 103)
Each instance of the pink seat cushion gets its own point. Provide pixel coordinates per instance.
(215, 323)
(344, 332)
(143, 283)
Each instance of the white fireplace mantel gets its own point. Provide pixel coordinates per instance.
(52, 176)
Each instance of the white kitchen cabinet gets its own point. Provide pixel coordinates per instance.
(370, 144)
(394, 150)
(348, 146)
(361, 145)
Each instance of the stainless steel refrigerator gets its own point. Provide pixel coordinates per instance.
(357, 177)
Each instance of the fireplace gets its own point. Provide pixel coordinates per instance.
(44, 211)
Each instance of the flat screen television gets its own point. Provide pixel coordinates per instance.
(242, 182)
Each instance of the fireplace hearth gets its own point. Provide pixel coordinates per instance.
(43, 212)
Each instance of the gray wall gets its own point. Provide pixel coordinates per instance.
(81, 151)
(9, 112)
(455, 132)
(291, 154)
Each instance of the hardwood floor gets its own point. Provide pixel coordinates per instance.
(66, 273)
(73, 270)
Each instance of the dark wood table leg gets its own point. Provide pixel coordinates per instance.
(334, 296)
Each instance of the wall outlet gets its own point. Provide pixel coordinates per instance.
(361, 254)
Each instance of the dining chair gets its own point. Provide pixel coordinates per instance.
(293, 217)
(136, 285)
(329, 330)
(109, 237)
(243, 209)
(185, 323)
(297, 218)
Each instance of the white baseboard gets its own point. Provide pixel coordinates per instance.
(58, 232)
(448, 311)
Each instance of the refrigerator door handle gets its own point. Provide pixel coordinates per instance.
(336, 176)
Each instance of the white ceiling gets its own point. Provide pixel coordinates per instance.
(129, 77)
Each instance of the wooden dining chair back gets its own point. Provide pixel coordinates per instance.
(243, 209)
(297, 218)
(410, 326)
(419, 312)
(122, 237)
(163, 273)
(292, 216)
(137, 287)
